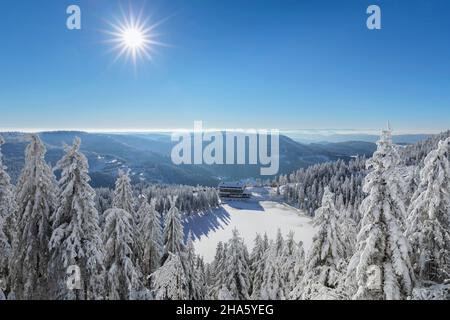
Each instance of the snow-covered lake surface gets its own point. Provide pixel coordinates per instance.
(264, 213)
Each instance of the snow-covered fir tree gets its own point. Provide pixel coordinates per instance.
(5, 253)
(279, 243)
(203, 277)
(150, 238)
(123, 277)
(237, 273)
(432, 292)
(325, 264)
(218, 271)
(7, 196)
(173, 231)
(169, 281)
(140, 212)
(293, 262)
(7, 214)
(103, 202)
(224, 294)
(258, 265)
(123, 193)
(349, 230)
(76, 238)
(192, 275)
(273, 285)
(381, 267)
(428, 225)
(36, 202)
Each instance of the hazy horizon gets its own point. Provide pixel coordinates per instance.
(323, 132)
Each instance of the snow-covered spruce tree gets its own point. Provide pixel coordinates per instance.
(279, 243)
(123, 277)
(123, 193)
(76, 238)
(218, 270)
(7, 214)
(140, 212)
(189, 262)
(35, 197)
(224, 294)
(103, 202)
(293, 263)
(325, 264)
(150, 238)
(7, 197)
(432, 292)
(273, 285)
(258, 264)
(169, 281)
(381, 266)
(349, 230)
(428, 224)
(203, 277)
(5, 252)
(173, 231)
(265, 241)
(208, 279)
(394, 172)
(413, 184)
(237, 277)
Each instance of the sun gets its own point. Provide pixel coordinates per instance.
(133, 37)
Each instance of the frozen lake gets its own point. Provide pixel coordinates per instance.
(264, 213)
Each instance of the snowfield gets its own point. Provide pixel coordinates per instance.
(263, 213)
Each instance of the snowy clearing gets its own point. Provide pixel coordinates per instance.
(263, 213)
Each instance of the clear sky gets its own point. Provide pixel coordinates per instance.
(286, 64)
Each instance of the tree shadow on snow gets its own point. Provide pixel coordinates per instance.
(201, 224)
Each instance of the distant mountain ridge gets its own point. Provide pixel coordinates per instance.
(148, 157)
(338, 138)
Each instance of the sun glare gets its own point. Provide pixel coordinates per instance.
(133, 37)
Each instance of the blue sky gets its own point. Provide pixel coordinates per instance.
(286, 64)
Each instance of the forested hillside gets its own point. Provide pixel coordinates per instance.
(148, 157)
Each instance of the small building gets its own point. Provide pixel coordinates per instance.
(233, 190)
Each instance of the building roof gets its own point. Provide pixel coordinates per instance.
(239, 185)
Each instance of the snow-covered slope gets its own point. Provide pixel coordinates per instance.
(263, 213)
